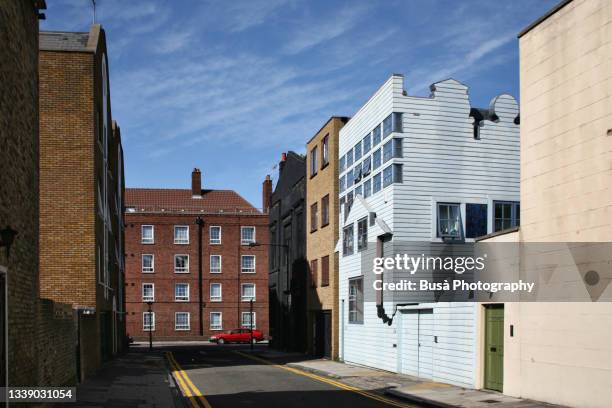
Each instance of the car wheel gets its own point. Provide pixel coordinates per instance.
(220, 341)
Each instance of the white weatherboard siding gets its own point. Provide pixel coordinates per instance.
(442, 162)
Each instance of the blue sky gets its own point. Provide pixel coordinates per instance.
(227, 86)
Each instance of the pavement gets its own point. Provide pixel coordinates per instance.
(135, 379)
(412, 389)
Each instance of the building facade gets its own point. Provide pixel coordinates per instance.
(322, 215)
(200, 257)
(19, 191)
(287, 253)
(561, 352)
(81, 192)
(420, 171)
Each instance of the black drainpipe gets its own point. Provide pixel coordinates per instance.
(200, 223)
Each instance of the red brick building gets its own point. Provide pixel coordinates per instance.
(163, 241)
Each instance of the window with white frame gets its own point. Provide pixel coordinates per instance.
(355, 300)
(147, 234)
(449, 220)
(215, 235)
(148, 321)
(362, 234)
(148, 292)
(247, 264)
(246, 320)
(181, 321)
(247, 235)
(313, 162)
(247, 292)
(347, 240)
(181, 292)
(148, 263)
(181, 234)
(181, 263)
(325, 151)
(215, 292)
(215, 264)
(216, 321)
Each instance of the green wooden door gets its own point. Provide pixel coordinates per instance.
(494, 347)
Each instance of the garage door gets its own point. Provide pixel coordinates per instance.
(416, 343)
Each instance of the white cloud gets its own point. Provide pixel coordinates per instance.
(317, 31)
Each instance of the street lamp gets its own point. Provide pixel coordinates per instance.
(7, 236)
(150, 303)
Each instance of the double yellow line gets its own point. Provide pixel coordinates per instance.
(188, 388)
(328, 381)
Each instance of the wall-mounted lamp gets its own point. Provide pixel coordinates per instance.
(7, 236)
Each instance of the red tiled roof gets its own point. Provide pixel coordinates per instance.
(181, 200)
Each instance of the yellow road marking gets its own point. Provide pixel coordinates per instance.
(327, 381)
(188, 387)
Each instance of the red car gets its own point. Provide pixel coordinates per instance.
(236, 336)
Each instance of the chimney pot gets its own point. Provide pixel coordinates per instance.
(196, 183)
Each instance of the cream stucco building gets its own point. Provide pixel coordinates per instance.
(562, 352)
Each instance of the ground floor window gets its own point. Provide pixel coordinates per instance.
(355, 300)
(148, 321)
(246, 319)
(216, 321)
(181, 321)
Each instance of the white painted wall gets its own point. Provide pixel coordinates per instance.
(441, 162)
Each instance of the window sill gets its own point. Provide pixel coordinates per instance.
(219, 329)
(181, 272)
(324, 165)
(215, 273)
(214, 243)
(148, 272)
(313, 175)
(324, 225)
(181, 300)
(313, 230)
(216, 300)
(147, 243)
(181, 243)
(247, 300)
(325, 286)
(253, 272)
(175, 329)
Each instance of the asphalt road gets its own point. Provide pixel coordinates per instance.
(228, 378)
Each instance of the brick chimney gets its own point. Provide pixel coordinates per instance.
(196, 183)
(266, 194)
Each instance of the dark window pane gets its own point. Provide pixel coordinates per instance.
(476, 220)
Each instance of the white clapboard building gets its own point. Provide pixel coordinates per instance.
(421, 169)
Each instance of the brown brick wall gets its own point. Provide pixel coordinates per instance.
(67, 198)
(72, 226)
(164, 277)
(322, 242)
(19, 180)
(56, 344)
